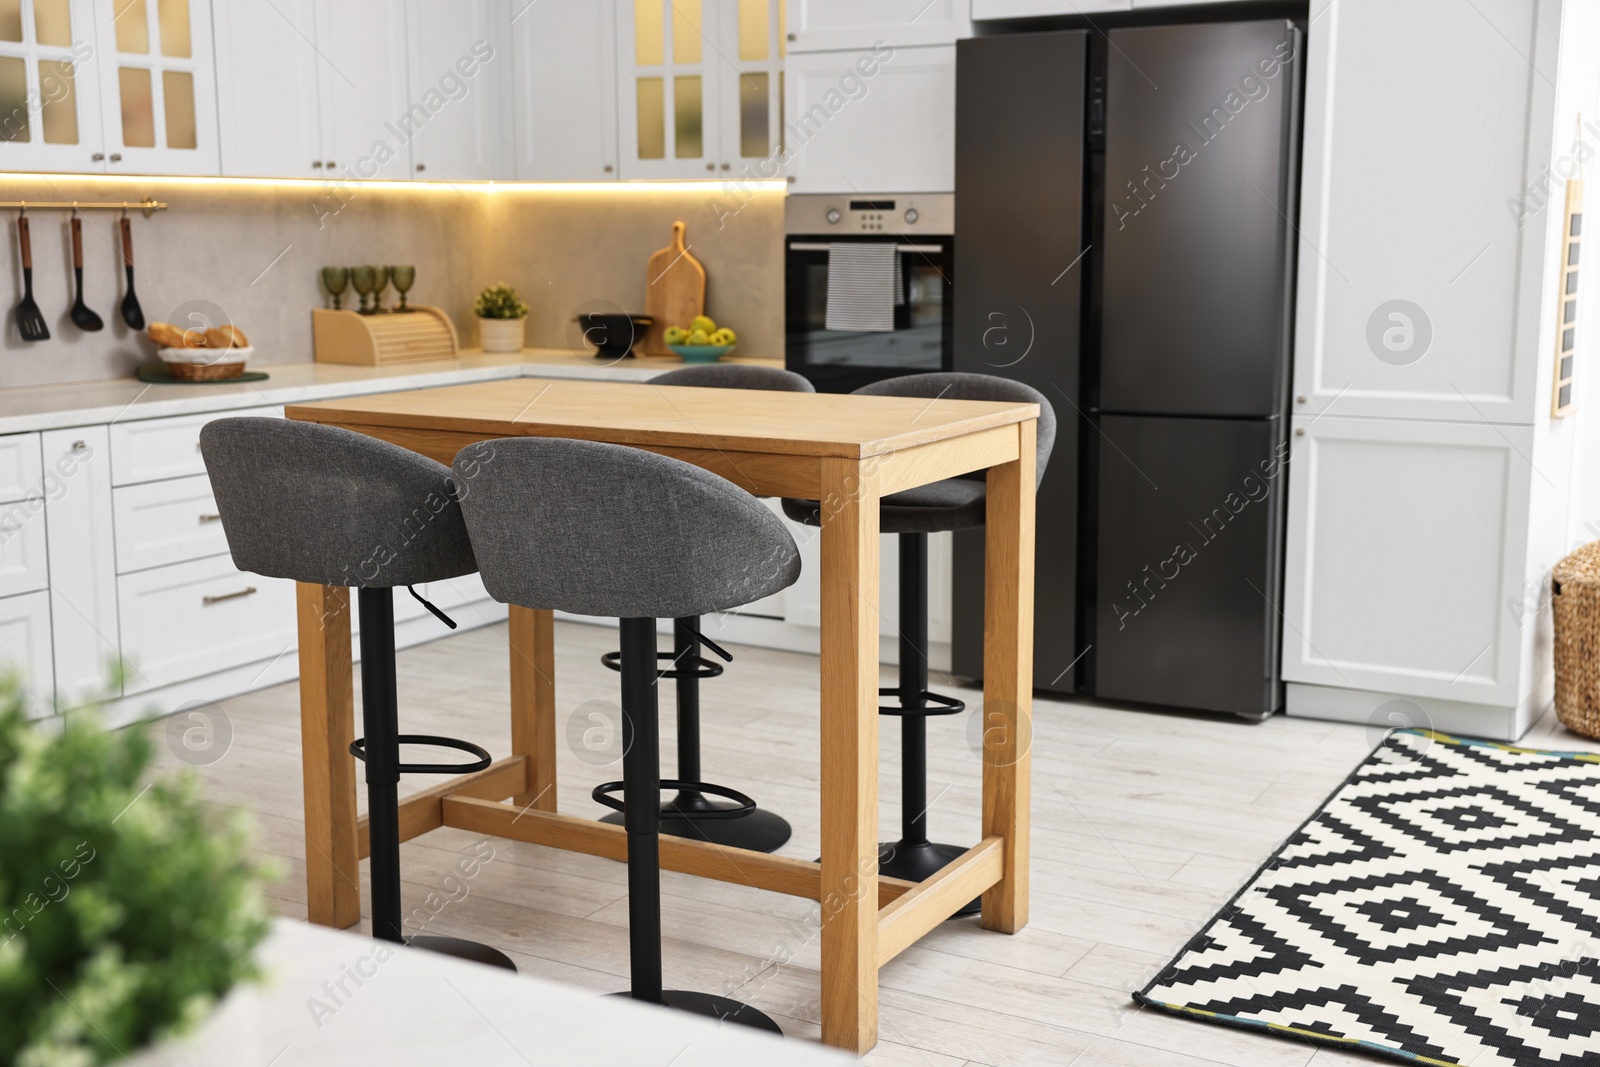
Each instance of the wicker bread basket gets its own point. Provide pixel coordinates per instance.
(205, 364)
(1575, 603)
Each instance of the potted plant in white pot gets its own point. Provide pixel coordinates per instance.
(501, 317)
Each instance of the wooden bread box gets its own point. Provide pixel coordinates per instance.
(390, 337)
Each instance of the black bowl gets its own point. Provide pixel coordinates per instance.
(613, 333)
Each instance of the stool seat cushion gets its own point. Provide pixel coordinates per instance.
(736, 376)
(607, 530)
(320, 504)
(953, 504)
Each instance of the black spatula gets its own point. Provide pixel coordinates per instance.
(30, 321)
(85, 319)
(132, 313)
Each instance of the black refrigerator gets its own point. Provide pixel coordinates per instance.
(1124, 197)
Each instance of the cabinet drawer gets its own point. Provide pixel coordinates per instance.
(190, 619)
(25, 648)
(166, 448)
(20, 467)
(22, 547)
(166, 522)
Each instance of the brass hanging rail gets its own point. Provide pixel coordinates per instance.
(148, 205)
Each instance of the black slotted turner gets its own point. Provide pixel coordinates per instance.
(30, 321)
(132, 313)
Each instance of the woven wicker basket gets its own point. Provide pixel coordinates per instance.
(1575, 602)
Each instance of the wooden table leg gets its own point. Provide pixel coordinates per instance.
(327, 726)
(849, 755)
(1008, 680)
(533, 702)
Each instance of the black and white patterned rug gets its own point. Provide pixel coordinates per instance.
(1442, 907)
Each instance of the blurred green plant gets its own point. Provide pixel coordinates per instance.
(499, 301)
(127, 906)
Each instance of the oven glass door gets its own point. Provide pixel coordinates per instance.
(843, 360)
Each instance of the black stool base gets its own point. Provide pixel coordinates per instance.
(759, 831)
(715, 1007)
(461, 949)
(918, 863)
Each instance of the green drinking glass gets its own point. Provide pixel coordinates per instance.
(364, 280)
(382, 275)
(335, 279)
(403, 278)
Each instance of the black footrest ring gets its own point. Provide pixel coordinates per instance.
(602, 794)
(698, 666)
(358, 749)
(938, 704)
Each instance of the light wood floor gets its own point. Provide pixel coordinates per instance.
(1144, 825)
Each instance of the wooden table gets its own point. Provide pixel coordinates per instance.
(846, 451)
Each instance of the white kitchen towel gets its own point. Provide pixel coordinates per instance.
(864, 285)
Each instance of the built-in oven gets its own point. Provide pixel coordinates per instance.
(921, 228)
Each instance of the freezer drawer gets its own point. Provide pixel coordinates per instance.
(1188, 568)
(1197, 254)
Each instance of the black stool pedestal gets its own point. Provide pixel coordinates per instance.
(914, 857)
(691, 813)
(380, 750)
(641, 774)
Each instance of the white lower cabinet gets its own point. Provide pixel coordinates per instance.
(1406, 556)
(167, 522)
(83, 578)
(878, 120)
(146, 450)
(190, 619)
(25, 648)
(24, 563)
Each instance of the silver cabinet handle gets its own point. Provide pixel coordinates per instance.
(98, 157)
(608, 168)
(316, 164)
(80, 446)
(330, 164)
(248, 590)
(421, 167)
(210, 518)
(116, 157)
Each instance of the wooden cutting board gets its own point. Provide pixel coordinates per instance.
(675, 291)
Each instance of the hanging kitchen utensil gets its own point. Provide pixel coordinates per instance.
(30, 321)
(85, 319)
(674, 291)
(132, 313)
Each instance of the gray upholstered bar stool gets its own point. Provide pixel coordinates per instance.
(696, 543)
(319, 504)
(953, 504)
(691, 813)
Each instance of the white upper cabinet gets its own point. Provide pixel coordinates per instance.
(363, 86)
(49, 87)
(878, 121)
(1420, 288)
(273, 133)
(830, 25)
(565, 90)
(459, 115)
(157, 86)
(700, 88)
(1016, 9)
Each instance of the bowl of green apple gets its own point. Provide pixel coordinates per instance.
(701, 341)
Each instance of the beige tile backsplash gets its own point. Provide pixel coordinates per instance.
(256, 249)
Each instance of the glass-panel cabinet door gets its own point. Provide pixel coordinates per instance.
(158, 86)
(670, 72)
(751, 108)
(49, 88)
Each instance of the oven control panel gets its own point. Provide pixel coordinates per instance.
(920, 213)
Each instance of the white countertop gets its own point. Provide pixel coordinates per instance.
(418, 1009)
(52, 407)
